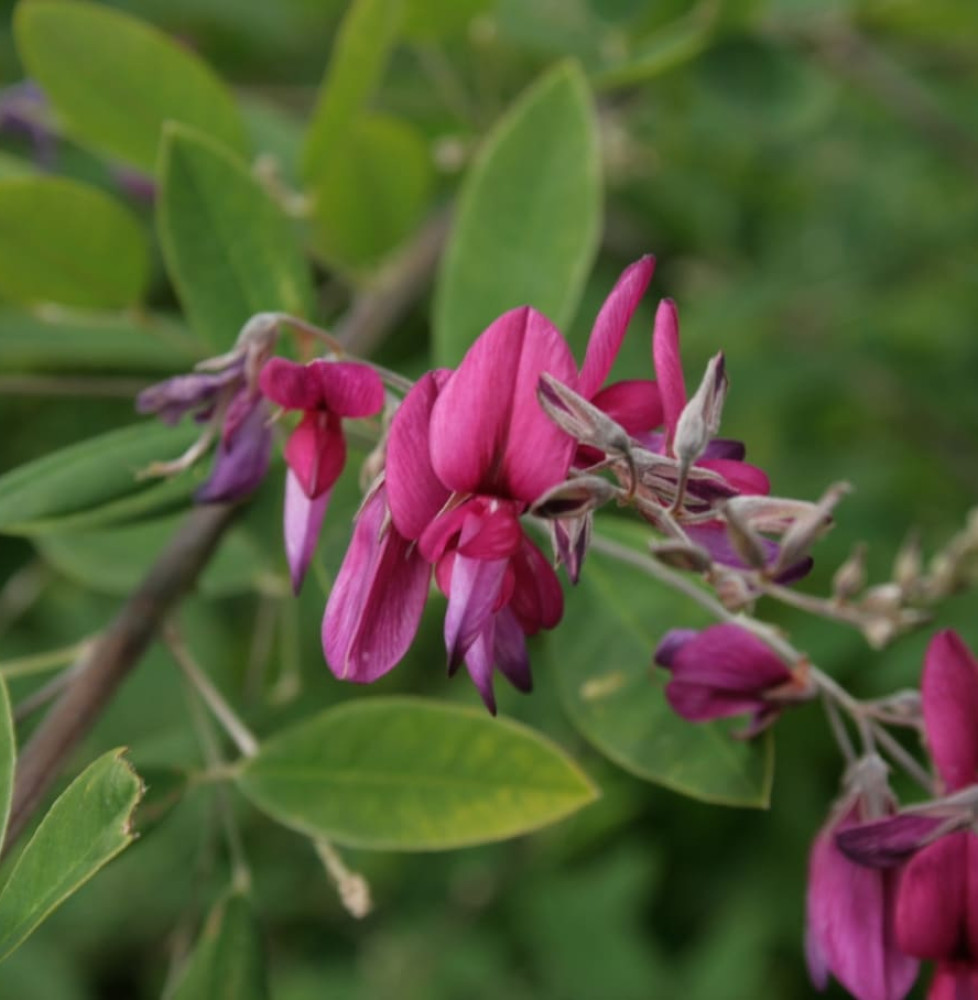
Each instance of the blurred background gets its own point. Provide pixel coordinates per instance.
(806, 172)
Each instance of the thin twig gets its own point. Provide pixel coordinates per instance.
(42, 663)
(900, 756)
(240, 734)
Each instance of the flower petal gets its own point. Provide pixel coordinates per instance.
(376, 603)
(932, 902)
(489, 433)
(884, 843)
(289, 384)
(537, 601)
(954, 981)
(316, 452)
(671, 643)
(415, 493)
(241, 464)
(612, 323)
(850, 919)
(472, 596)
(635, 404)
(950, 699)
(479, 663)
(303, 521)
(668, 366)
(510, 651)
(348, 388)
(176, 396)
(745, 478)
(728, 658)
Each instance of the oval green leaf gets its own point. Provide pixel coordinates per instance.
(229, 249)
(411, 775)
(75, 342)
(370, 198)
(359, 56)
(8, 757)
(115, 560)
(228, 962)
(86, 827)
(68, 243)
(114, 80)
(529, 216)
(93, 473)
(601, 655)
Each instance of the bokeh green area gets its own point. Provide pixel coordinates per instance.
(807, 175)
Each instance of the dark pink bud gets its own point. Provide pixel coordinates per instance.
(725, 671)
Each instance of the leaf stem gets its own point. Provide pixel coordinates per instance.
(241, 736)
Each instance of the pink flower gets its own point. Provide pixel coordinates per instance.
(325, 391)
(937, 899)
(468, 452)
(850, 925)
(725, 671)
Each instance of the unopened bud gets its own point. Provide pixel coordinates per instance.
(774, 514)
(879, 631)
(908, 564)
(574, 498)
(700, 419)
(747, 543)
(682, 555)
(850, 577)
(580, 418)
(883, 599)
(571, 538)
(733, 591)
(804, 532)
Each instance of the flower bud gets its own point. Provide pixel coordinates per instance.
(682, 555)
(700, 419)
(850, 577)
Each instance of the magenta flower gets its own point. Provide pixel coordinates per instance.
(850, 925)
(937, 899)
(223, 395)
(468, 452)
(725, 671)
(635, 404)
(937, 907)
(325, 391)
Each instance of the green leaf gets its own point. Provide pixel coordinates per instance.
(8, 757)
(115, 560)
(114, 80)
(87, 342)
(528, 216)
(363, 44)
(371, 197)
(229, 249)
(68, 243)
(406, 774)
(95, 472)
(86, 827)
(672, 46)
(228, 962)
(433, 20)
(601, 655)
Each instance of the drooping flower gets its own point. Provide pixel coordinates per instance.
(223, 394)
(468, 452)
(325, 392)
(725, 671)
(937, 900)
(850, 920)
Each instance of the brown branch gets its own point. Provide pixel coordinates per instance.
(404, 281)
(118, 649)
(112, 656)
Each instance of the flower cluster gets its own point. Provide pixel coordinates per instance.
(470, 460)
(468, 454)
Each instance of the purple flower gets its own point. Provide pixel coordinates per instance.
(850, 922)
(223, 394)
(325, 391)
(937, 899)
(725, 671)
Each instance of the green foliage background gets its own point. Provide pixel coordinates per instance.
(805, 173)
